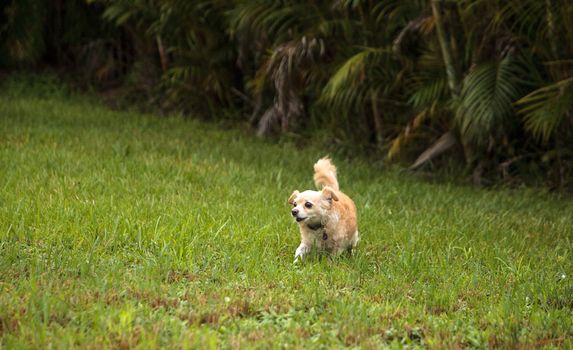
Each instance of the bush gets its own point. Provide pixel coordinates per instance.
(490, 82)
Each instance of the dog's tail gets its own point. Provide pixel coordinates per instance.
(325, 174)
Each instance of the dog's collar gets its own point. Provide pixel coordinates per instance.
(315, 227)
(319, 227)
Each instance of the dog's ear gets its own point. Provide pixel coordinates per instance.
(329, 193)
(292, 197)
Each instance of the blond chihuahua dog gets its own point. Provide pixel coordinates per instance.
(326, 218)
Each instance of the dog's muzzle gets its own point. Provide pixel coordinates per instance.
(294, 213)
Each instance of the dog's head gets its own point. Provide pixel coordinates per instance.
(310, 206)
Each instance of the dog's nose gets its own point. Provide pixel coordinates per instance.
(294, 212)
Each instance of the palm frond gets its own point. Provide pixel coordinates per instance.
(271, 19)
(486, 101)
(289, 66)
(428, 87)
(528, 18)
(352, 73)
(546, 108)
(397, 144)
(396, 13)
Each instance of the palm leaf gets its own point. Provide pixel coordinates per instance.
(546, 108)
(427, 87)
(397, 144)
(485, 106)
(350, 74)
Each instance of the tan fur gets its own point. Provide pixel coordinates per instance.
(332, 214)
(325, 174)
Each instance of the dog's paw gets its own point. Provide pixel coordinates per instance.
(300, 252)
(298, 259)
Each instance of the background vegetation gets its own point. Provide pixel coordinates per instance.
(121, 230)
(484, 84)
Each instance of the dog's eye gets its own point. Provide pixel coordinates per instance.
(293, 204)
(308, 205)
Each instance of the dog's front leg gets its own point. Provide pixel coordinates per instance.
(301, 251)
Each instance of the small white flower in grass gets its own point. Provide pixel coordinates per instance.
(227, 299)
(562, 276)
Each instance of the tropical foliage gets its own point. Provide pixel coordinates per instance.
(489, 80)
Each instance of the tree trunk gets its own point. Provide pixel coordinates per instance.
(550, 17)
(377, 119)
(444, 143)
(162, 53)
(453, 81)
(448, 139)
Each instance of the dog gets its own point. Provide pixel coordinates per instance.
(326, 218)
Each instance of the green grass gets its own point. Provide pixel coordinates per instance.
(132, 231)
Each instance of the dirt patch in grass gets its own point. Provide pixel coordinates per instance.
(179, 276)
(235, 310)
(416, 334)
(9, 324)
(552, 341)
(126, 342)
(210, 318)
(240, 308)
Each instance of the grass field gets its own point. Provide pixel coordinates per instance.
(124, 230)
